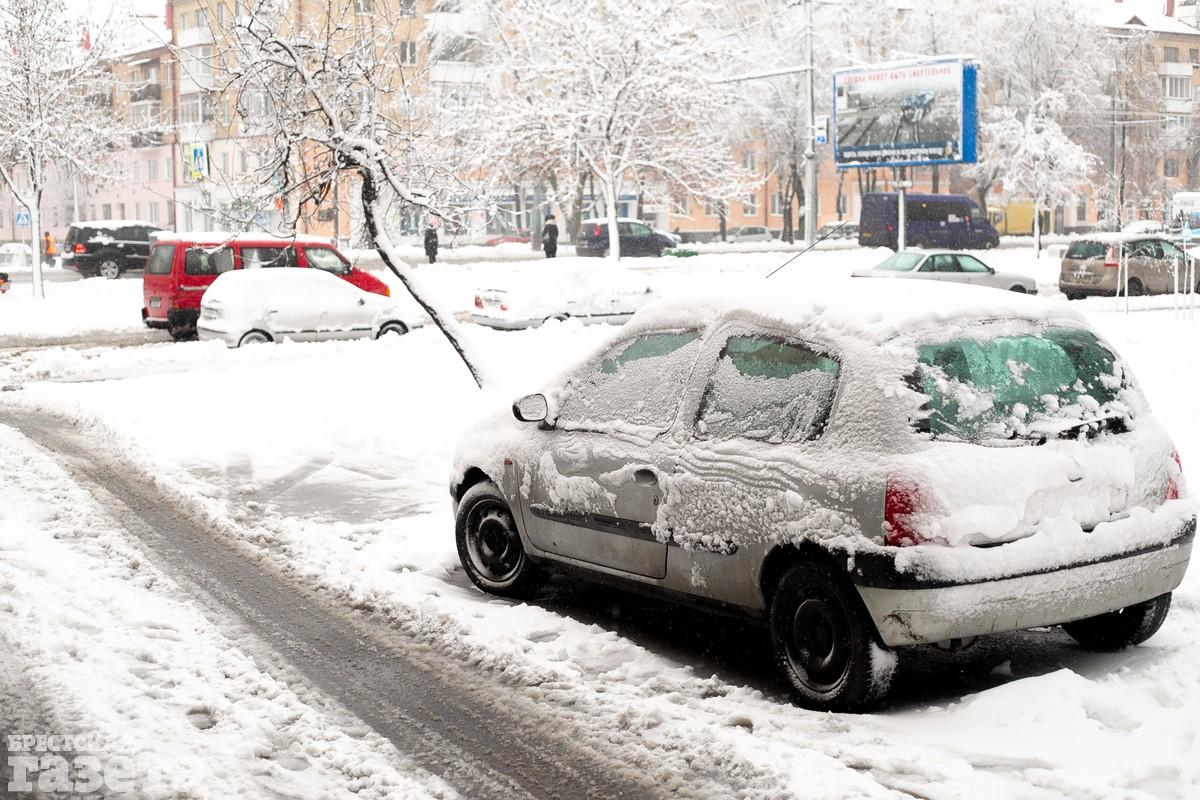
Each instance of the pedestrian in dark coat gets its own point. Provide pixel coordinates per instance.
(550, 236)
(431, 243)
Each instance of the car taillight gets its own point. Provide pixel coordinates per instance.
(1110, 257)
(596, 231)
(478, 301)
(1172, 485)
(504, 306)
(903, 500)
(80, 247)
(891, 228)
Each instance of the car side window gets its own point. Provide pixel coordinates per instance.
(127, 234)
(160, 260)
(639, 230)
(261, 257)
(638, 382)
(1170, 251)
(327, 259)
(200, 261)
(971, 264)
(942, 263)
(768, 389)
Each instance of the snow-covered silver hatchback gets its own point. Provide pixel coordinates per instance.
(895, 465)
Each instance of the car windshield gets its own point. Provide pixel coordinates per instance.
(901, 262)
(1032, 386)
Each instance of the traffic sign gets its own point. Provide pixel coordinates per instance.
(22, 218)
(821, 130)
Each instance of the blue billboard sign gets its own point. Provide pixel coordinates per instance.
(914, 113)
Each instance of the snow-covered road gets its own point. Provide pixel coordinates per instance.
(328, 462)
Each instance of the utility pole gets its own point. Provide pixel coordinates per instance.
(810, 155)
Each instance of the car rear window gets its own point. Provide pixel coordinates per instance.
(1083, 250)
(160, 260)
(199, 261)
(1030, 386)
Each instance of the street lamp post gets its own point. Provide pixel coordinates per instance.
(810, 155)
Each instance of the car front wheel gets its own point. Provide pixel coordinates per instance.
(489, 545)
(254, 337)
(1019, 289)
(1124, 627)
(825, 643)
(392, 328)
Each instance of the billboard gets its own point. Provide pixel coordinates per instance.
(906, 114)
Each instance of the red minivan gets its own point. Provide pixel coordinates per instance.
(182, 265)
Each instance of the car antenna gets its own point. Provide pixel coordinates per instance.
(832, 231)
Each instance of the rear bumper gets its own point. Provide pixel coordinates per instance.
(908, 609)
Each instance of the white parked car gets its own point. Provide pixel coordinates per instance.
(750, 233)
(604, 294)
(947, 265)
(16, 254)
(249, 306)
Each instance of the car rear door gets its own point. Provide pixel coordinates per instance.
(201, 266)
(601, 479)
(941, 267)
(972, 270)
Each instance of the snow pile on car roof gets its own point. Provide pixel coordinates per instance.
(877, 311)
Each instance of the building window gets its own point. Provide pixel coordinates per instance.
(408, 52)
(408, 8)
(151, 170)
(197, 61)
(1171, 55)
(183, 22)
(1194, 55)
(137, 210)
(1081, 210)
(776, 204)
(1176, 88)
(750, 162)
(135, 171)
(364, 6)
(224, 163)
(221, 14)
(195, 109)
(1170, 168)
(201, 18)
(712, 208)
(152, 211)
(243, 162)
(106, 210)
(750, 205)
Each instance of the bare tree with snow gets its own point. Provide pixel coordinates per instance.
(622, 93)
(57, 111)
(330, 103)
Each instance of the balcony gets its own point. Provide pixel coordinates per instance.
(147, 91)
(195, 35)
(1175, 69)
(1172, 105)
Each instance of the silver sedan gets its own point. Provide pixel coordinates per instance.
(947, 265)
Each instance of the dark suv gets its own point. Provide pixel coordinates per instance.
(637, 238)
(107, 247)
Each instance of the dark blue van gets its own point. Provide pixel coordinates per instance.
(941, 221)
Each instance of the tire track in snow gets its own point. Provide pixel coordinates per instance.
(469, 729)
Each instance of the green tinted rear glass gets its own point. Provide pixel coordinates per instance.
(1009, 385)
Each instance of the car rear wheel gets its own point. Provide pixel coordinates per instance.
(1121, 628)
(824, 641)
(1074, 295)
(109, 268)
(254, 337)
(1135, 288)
(1019, 289)
(393, 329)
(489, 545)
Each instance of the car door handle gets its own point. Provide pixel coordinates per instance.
(645, 477)
(362, 302)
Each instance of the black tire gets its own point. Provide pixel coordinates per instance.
(254, 337)
(489, 545)
(109, 266)
(1135, 288)
(1124, 627)
(182, 333)
(824, 641)
(386, 328)
(1074, 295)
(1019, 289)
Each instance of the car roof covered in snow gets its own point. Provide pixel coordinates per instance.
(112, 224)
(226, 237)
(847, 308)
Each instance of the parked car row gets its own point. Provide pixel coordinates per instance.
(1155, 265)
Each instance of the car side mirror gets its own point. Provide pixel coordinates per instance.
(992, 271)
(531, 408)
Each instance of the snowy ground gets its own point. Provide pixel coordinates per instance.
(332, 461)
